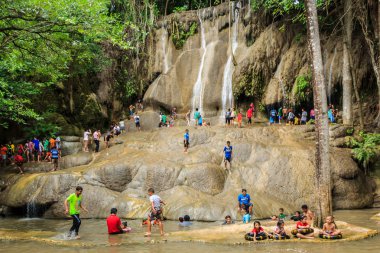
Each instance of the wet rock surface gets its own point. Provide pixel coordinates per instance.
(275, 164)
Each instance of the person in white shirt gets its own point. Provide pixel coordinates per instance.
(156, 212)
(85, 139)
(96, 137)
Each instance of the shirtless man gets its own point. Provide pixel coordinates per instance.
(308, 214)
(329, 228)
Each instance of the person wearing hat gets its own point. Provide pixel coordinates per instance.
(114, 224)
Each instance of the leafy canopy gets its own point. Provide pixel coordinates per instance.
(39, 40)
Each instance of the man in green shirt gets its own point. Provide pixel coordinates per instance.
(72, 206)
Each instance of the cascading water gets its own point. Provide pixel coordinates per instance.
(31, 209)
(329, 86)
(164, 42)
(227, 94)
(197, 100)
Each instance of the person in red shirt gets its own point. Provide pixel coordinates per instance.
(19, 160)
(249, 115)
(3, 152)
(240, 119)
(258, 230)
(114, 224)
(301, 225)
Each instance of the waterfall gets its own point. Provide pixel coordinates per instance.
(227, 94)
(198, 89)
(31, 209)
(164, 41)
(329, 85)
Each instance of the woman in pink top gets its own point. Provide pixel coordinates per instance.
(312, 114)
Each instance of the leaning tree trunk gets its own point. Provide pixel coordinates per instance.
(322, 158)
(347, 78)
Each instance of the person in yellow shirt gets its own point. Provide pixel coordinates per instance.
(73, 204)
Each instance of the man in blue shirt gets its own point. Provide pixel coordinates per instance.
(244, 202)
(227, 154)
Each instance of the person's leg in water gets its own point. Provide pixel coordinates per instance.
(149, 227)
(76, 225)
(161, 225)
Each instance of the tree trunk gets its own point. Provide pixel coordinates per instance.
(322, 158)
(166, 7)
(347, 78)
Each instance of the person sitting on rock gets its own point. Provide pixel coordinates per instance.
(258, 230)
(114, 224)
(228, 220)
(329, 228)
(304, 224)
(297, 216)
(244, 202)
(308, 214)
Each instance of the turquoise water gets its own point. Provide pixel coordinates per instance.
(95, 238)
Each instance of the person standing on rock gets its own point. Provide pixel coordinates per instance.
(303, 117)
(96, 137)
(73, 204)
(54, 158)
(227, 155)
(85, 139)
(156, 212)
(244, 202)
(186, 140)
(249, 115)
(188, 117)
(137, 121)
(196, 116)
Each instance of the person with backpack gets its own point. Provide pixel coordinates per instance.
(54, 157)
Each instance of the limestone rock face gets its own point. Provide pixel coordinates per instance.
(275, 165)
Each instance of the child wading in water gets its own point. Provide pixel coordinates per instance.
(186, 140)
(303, 224)
(329, 228)
(72, 205)
(257, 230)
(156, 212)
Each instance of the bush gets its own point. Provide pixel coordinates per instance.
(365, 149)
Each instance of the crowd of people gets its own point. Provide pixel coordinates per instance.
(33, 150)
(302, 229)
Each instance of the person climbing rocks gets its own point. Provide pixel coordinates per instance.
(73, 204)
(186, 140)
(155, 213)
(19, 160)
(54, 158)
(114, 224)
(96, 137)
(137, 121)
(244, 202)
(196, 116)
(227, 156)
(86, 135)
(303, 117)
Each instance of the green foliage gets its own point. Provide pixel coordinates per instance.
(39, 43)
(43, 127)
(366, 149)
(303, 89)
(251, 85)
(181, 34)
(180, 9)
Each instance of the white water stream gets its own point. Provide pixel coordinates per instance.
(227, 94)
(164, 42)
(197, 100)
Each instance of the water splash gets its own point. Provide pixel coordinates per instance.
(31, 208)
(329, 85)
(198, 89)
(227, 94)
